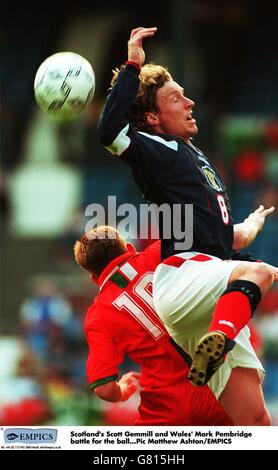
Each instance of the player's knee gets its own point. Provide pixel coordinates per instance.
(262, 275)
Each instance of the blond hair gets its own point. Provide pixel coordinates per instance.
(152, 77)
(97, 248)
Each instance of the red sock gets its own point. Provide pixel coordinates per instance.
(232, 313)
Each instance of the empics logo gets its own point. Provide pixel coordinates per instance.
(30, 436)
(12, 436)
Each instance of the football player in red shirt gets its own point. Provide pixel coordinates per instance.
(122, 320)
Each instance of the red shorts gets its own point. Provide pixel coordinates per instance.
(181, 405)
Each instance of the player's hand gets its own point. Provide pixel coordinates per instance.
(128, 384)
(258, 216)
(135, 50)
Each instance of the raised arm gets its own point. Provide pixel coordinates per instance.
(246, 232)
(113, 124)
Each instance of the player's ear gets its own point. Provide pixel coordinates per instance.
(152, 119)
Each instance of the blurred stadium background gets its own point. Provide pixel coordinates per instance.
(225, 54)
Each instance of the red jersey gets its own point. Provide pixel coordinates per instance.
(122, 320)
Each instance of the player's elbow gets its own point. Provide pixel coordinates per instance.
(108, 392)
(103, 132)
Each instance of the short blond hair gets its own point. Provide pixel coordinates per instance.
(152, 77)
(97, 248)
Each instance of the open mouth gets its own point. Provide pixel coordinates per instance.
(190, 118)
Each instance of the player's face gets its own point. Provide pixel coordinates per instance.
(175, 111)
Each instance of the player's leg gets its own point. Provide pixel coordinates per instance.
(243, 399)
(185, 291)
(259, 273)
(247, 283)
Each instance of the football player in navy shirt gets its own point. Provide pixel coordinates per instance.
(148, 122)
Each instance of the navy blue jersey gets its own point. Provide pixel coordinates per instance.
(168, 170)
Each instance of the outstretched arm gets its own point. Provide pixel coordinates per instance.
(246, 232)
(119, 391)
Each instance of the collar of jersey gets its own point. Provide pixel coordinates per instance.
(167, 137)
(112, 267)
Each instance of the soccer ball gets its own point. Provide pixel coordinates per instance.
(64, 85)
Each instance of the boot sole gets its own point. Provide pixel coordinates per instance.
(209, 350)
